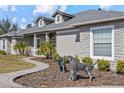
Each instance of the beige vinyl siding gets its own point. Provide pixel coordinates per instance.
(68, 43)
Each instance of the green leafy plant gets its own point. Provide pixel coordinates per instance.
(47, 49)
(55, 57)
(103, 65)
(2, 52)
(65, 59)
(77, 58)
(87, 60)
(22, 47)
(120, 67)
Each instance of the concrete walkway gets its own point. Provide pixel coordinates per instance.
(6, 79)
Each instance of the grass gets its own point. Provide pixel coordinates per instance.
(10, 63)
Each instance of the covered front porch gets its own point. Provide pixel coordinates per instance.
(39, 38)
(34, 41)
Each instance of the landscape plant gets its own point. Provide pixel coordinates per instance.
(120, 67)
(47, 49)
(65, 59)
(22, 47)
(2, 52)
(103, 65)
(87, 60)
(77, 58)
(55, 57)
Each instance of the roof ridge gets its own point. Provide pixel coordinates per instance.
(83, 11)
(98, 10)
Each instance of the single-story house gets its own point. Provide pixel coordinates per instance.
(95, 33)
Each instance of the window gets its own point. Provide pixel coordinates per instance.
(102, 42)
(40, 23)
(58, 19)
(38, 42)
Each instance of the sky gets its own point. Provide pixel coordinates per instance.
(26, 14)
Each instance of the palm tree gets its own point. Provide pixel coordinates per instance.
(47, 49)
(21, 47)
(6, 26)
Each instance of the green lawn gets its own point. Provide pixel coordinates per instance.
(10, 63)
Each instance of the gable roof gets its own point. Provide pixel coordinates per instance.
(81, 18)
(44, 18)
(93, 16)
(62, 13)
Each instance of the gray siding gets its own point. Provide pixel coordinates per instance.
(85, 42)
(118, 40)
(64, 45)
(119, 44)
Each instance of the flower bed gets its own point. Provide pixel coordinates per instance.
(52, 77)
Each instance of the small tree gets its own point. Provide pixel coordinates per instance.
(47, 49)
(21, 47)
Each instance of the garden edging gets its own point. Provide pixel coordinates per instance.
(7, 79)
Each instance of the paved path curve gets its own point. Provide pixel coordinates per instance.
(6, 79)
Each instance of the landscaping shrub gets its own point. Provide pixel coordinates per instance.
(47, 49)
(77, 58)
(120, 67)
(103, 65)
(87, 60)
(2, 52)
(65, 59)
(55, 57)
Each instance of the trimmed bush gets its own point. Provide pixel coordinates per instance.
(55, 57)
(120, 67)
(77, 58)
(2, 52)
(87, 60)
(103, 65)
(65, 59)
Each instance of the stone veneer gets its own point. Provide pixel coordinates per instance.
(118, 40)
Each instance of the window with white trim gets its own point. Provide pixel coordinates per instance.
(41, 23)
(102, 42)
(58, 19)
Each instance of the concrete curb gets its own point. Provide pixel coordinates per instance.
(7, 79)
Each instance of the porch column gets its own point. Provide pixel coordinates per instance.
(47, 37)
(35, 45)
(12, 45)
(6, 44)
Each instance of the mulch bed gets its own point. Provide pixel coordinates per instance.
(53, 78)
